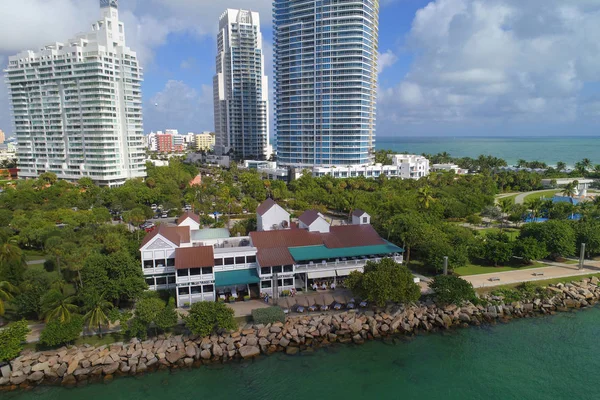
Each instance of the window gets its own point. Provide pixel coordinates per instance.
(288, 268)
(148, 264)
(170, 262)
(265, 270)
(183, 272)
(207, 270)
(240, 260)
(194, 271)
(171, 279)
(218, 261)
(251, 259)
(196, 289)
(208, 288)
(161, 280)
(228, 261)
(150, 281)
(265, 284)
(277, 270)
(184, 290)
(160, 263)
(365, 220)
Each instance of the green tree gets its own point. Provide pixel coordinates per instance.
(58, 332)
(7, 290)
(450, 289)
(206, 318)
(384, 281)
(11, 340)
(498, 248)
(425, 197)
(98, 309)
(560, 166)
(558, 236)
(166, 318)
(530, 249)
(57, 306)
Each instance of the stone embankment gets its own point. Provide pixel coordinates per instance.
(81, 365)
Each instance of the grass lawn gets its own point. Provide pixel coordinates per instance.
(512, 197)
(544, 194)
(512, 233)
(473, 269)
(418, 267)
(34, 255)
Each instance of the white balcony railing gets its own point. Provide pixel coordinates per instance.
(341, 264)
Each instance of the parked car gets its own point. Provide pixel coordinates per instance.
(164, 215)
(153, 207)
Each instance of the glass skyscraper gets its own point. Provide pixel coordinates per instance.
(240, 87)
(325, 54)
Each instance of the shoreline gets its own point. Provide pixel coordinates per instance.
(77, 366)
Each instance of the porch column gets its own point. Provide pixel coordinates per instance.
(305, 282)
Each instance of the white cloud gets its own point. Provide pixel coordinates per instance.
(502, 60)
(386, 60)
(179, 106)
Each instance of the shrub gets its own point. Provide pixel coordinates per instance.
(285, 293)
(268, 315)
(207, 317)
(474, 219)
(11, 340)
(57, 333)
(451, 289)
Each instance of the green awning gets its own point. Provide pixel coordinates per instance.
(308, 253)
(239, 277)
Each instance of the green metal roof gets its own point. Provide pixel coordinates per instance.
(307, 253)
(239, 277)
(210, 233)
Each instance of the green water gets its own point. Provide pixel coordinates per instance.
(549, 150)
(543, 358)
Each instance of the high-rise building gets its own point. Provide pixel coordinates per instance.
(77, 106)
(325, 54)
(241, 87)
(2, 137)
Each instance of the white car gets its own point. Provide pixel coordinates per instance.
(153, 207)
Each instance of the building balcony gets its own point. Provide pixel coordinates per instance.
(341, 264)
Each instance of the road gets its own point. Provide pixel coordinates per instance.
(520, 199)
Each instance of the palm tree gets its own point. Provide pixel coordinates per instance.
(560, 166)
(10, 252)
(569, 190)
(6, 293)
(506, 206)
(534, 205)
(98, 308)
(425, 196)
(58, 306)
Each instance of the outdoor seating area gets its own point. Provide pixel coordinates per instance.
(319, 303)
(327, 284)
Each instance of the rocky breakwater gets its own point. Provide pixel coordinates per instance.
(80, 365)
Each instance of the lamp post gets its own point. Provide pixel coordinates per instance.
(445, 265)
(582, 256)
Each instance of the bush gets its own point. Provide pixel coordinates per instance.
(451, 289)
(207, 317)
(11, 340)
(49, 265)
(268, 315)
(57, 333)
(474, 219)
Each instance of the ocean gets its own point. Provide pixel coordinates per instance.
(541, 358)
(549, 150)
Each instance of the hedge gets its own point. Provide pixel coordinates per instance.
(268, 315)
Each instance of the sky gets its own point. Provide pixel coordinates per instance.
(446, 67)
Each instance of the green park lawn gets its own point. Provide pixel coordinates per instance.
(544, 194)
(473, 269)
(34, 255)
(513, 234)
(540, 283)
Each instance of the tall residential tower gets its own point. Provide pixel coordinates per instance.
(325, 81)
(77, 106)
(241, 87)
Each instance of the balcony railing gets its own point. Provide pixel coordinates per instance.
(341, 264)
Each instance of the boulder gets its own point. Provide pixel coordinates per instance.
(69, 380)
(36, 376)
(190, 351)
(5, 371)
(205, 354)
(284, 342)
(249, 352)
(217, 351)
(176, 356)
(110, 369)
(291, 351)
(188, 361)
(464, 317)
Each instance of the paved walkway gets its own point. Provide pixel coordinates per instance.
(520, 199)
(554, 270)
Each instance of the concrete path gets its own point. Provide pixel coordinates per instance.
(554, 270)
(34, 262)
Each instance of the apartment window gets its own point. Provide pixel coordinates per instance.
(365, 220)
(218, 261)
(150, 281)
(207, 270)
(277, 270)
(265, 284)
(251, 259)
(182, 272)
(171, 279)
(148, 264)
(228, 261)
(184, 290)
(288, 268)
(240, 260)
(288, 282)
(194, 271)
(196, 289)
(160, 263)
(265, 270)
(208, 288)
(161, 280)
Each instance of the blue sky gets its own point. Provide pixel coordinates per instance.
(449, 67)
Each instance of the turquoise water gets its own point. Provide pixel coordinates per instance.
(541, 358)
(549, 150)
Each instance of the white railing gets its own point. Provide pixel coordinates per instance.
(195, 278)
(341, 264)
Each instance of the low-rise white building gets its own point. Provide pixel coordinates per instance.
(449, 167)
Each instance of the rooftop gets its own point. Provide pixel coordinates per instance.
(174, 234)
(194, 257)
(309, 216)
(188, 214)
(265, 206)
(210, 233)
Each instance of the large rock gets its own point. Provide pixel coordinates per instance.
(249, 351)
(205, 354)
(69, 380)
(284, 342)
(176, 356)
(5, 371)
(291, 350)
(217, 351)
(36, 376)
(17, 380)
(190, 351)
(111, 368)
(39, 367)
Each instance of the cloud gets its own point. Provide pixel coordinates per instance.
(188, 63)
(499, 60)
(179, 106)
(386, 60)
